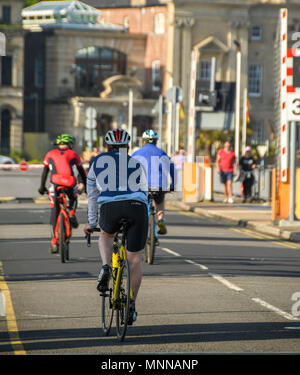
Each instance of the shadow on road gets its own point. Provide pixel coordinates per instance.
(74, 338)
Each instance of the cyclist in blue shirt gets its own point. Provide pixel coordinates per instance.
(118, 183)
(159, 168)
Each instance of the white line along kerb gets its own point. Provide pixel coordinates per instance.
(2, 305)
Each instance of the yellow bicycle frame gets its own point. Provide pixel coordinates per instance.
(117, 257)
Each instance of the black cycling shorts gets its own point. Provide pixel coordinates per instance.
(158, 196)
(112, 212)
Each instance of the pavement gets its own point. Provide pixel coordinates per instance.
(255, 216)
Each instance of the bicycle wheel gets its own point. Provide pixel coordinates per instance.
(123, 300)
(61, 238)
(107, 311)
(150, 246)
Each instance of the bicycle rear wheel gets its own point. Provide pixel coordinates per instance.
(62, 238)
(150, 245)
(107, 311)
(123, 300)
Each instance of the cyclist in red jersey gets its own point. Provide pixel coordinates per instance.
(60, 162)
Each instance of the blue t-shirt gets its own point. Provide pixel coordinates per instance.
(159, 167)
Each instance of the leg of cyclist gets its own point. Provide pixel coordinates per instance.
(135, 260)
(53, 217)
(105, 247)
(72, 195)
(160, 208)
(136, 240)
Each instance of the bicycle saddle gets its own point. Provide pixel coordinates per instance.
(125, 223)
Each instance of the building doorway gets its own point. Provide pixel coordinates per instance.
(5, 131)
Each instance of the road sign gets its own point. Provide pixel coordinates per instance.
(23, 166)
(174, 93)
(293, 107)
(262, 149)
(90, 135)
(91, 118)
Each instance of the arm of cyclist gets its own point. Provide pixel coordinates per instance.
(82, 175)
(93, 194)
(172, 173)
(42, 189)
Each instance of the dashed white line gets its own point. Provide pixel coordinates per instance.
(234, 287)
(196, 264)
(274, 308)
(170, 252)
(225, 282)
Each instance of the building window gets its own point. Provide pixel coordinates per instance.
(255, 80)
(205, 70)
(126, 22)
(156, 79)
(6, 70)
(94, 65)
(159, 23)
(39, 72)
(256, 33)
(6, 14)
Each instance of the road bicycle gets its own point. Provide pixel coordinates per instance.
(118, 297)
(152, 239)
(63, 228)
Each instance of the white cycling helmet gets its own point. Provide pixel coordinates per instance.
(117, 137)
(150, 135)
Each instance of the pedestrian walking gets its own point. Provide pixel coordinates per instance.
(226, 167)
(247, 165)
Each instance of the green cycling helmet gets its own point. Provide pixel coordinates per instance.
(64, 139)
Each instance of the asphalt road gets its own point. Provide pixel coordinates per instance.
(212, 289)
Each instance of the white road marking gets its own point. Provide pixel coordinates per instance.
(227, 283)
(2, 305)
(274, 309)
(236, 288)
(196, 264)
(170, 252)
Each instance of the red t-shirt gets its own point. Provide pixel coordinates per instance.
(61, 162)
(227, 160)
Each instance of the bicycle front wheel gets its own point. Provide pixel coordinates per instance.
(62, 238)
(123, 300)
(150, 246)
(107, 311)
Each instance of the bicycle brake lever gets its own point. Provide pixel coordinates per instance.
(88, 240)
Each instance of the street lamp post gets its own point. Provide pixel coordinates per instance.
(237, 100)
(130, 112)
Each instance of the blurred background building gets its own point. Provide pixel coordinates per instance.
(65, 57)
(11, 84)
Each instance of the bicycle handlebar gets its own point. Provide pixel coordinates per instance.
(88, 236)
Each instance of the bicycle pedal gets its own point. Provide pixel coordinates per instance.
(103, 294)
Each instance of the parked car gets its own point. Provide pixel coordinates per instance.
(6, 160)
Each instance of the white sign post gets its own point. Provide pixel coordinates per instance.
(191, 150)
(90, 133)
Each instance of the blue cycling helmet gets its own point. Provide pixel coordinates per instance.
(150, 136)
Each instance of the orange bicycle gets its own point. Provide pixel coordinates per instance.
(63, 228)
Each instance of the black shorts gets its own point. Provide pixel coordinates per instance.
(112, 212)
(158, 196)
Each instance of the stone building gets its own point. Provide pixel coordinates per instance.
(11, 78)
(213, 27)
(74, 60)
